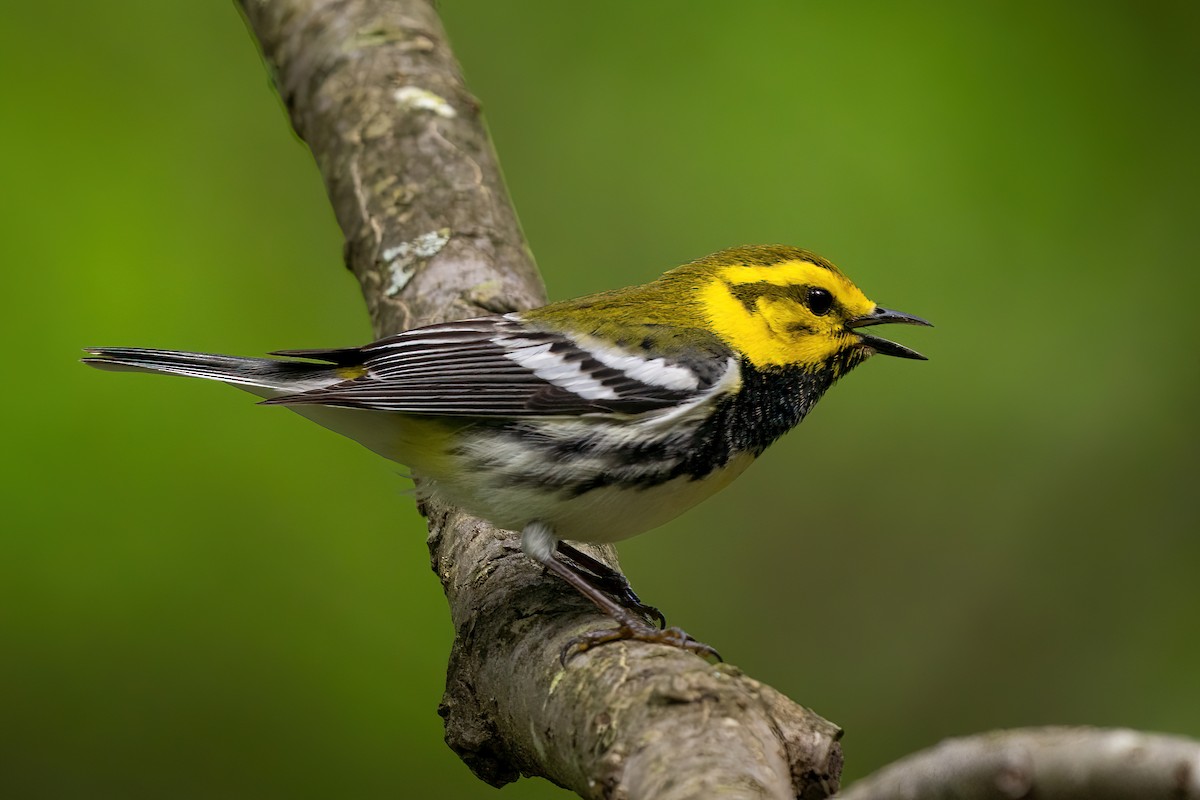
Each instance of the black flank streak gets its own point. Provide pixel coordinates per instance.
(771, 402)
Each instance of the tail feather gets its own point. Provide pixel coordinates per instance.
(343, 356)
(273, 375)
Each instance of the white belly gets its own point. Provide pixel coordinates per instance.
(512, 485)
(605, 514)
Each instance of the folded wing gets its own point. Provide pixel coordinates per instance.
(502, 366)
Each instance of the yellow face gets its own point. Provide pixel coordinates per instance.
(792, 313)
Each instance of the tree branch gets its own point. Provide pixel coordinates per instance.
(374, 90)
(1058, 763)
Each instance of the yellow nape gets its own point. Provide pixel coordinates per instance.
(762, 311)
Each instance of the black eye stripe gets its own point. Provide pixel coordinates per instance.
(817, 300)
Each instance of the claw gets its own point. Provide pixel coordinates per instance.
(612, 583)
(623, 593)
(611, 593)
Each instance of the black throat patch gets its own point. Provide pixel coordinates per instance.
(771, 402)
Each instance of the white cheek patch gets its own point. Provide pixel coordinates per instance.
(554, 369)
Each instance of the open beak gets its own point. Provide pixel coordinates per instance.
(884, 316)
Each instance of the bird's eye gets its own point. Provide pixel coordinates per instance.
(819, 301)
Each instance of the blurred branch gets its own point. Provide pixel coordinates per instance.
(1046, 763)
(373, 88)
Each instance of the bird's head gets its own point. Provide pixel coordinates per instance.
(786, 307)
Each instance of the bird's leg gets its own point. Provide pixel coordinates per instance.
(540, 543)
(612, 582)
(629, 624)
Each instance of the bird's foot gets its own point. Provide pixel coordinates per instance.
(671, 637)
(623, 593)
(612, 583)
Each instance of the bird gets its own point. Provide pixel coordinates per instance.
(587, 420)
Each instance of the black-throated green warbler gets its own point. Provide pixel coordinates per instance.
(591, 419)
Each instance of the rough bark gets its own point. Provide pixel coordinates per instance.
(374, 90)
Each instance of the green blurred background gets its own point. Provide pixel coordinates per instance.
(201, 598)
